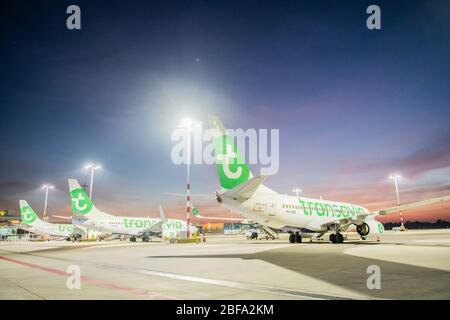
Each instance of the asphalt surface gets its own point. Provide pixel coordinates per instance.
(412, 265)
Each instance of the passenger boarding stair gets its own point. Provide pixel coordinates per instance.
(270, 232)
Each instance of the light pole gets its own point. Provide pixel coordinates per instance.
(46, 187)
(297, 191)
(395, 177)
(92, 167)
(188, 124)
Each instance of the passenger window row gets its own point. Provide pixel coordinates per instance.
(292, 206)
(327, 210)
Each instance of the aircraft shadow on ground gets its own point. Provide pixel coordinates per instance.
(398, 281)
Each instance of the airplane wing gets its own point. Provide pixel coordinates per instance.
(358, 219)
(157, 227)
(63, 217)
(413, 205)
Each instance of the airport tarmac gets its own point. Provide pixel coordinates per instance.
(413, 265)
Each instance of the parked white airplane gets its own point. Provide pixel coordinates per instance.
(245, 194)
(32, 223)
(86, 214)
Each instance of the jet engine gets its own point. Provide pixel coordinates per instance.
(371, 227)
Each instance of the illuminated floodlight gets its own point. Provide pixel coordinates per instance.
(46, 187)
(92, 167)
(297, 191)
(188, 124)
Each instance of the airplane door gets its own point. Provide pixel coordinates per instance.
(272, 209)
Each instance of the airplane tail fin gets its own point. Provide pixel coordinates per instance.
(231, 166)
(195, 211)
(162, 214)
(81, 203)
(27, 214)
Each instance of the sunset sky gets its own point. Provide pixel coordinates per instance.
(352, 105)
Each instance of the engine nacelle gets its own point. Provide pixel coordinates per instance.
(370, 228)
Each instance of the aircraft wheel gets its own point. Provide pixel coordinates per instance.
(298, 238)
(133, 239)
(340, 238)
(333, 238)
(145, 239)
(292, 238)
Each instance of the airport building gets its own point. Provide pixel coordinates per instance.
(224, 228)
(9, 222)
(9, 217)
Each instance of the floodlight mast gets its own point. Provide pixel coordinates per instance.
(396, 177)
(92, 167)
(46, 187)
(188, 124)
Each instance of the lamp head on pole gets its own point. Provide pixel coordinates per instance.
(189, 124)
(395, 176)
(297, 191)
(47, 186)
(93, 166)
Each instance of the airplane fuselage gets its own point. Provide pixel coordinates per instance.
(283, 211)
(135, 226)
(50, 229)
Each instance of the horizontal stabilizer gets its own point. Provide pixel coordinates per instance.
(197, 214)
(245, 190)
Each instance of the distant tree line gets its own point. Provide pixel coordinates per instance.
(439, 224)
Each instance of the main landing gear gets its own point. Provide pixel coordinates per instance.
(145, 239)
(295, 237)
(336, 237)
(133, 239)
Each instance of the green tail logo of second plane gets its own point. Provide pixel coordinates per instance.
(80, 201)
(28, 215)
(195, 212)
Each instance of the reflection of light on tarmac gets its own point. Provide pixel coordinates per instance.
(421, 256)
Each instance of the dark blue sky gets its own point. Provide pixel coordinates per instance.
(352, 105)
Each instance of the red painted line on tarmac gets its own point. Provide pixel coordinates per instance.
(93, 281)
